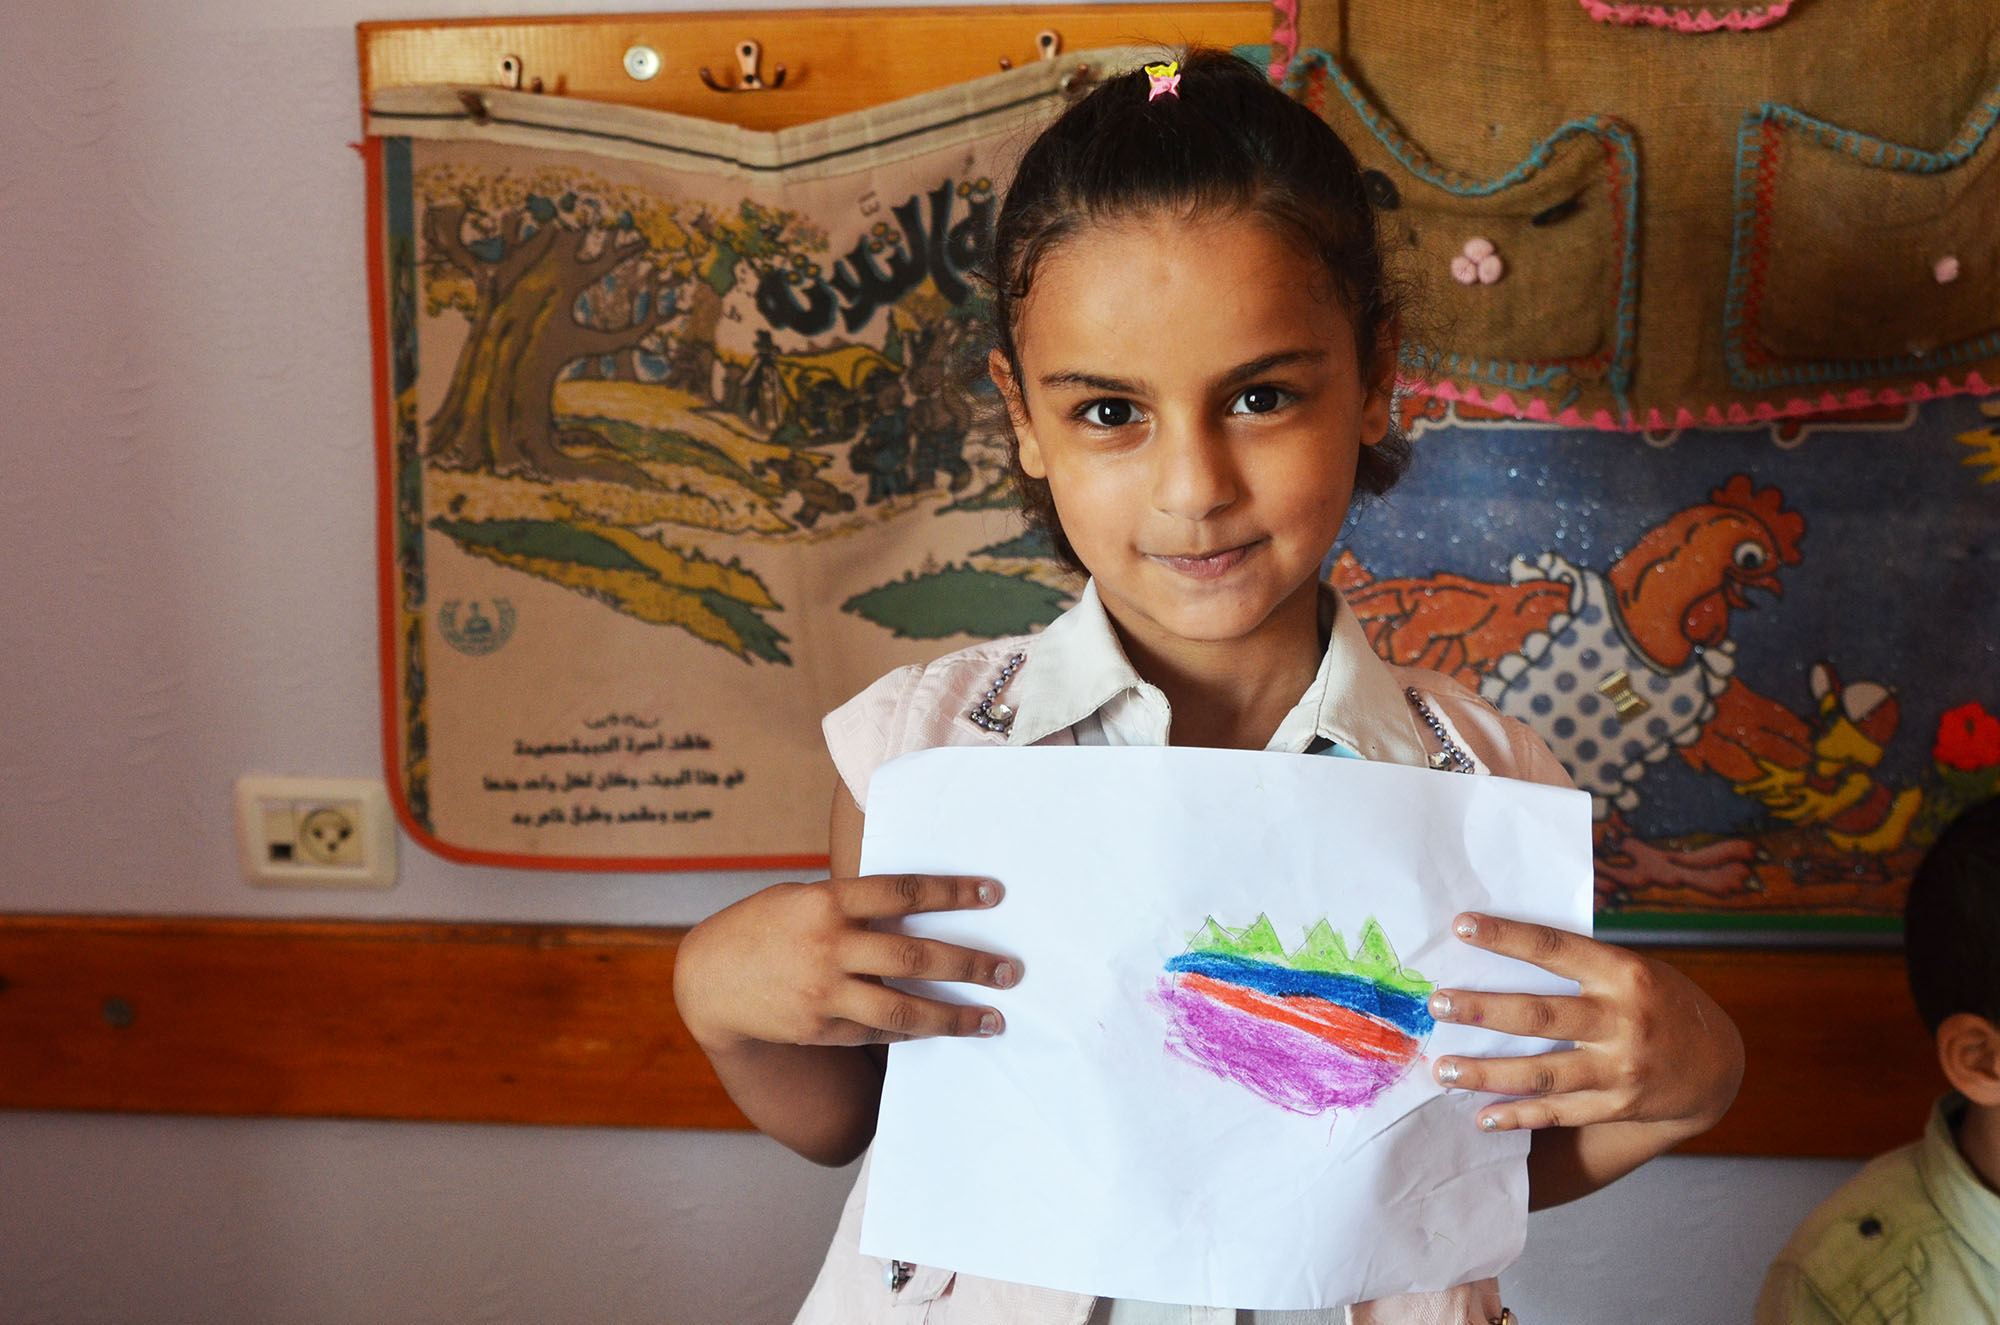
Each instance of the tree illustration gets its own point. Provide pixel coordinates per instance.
(553, 270)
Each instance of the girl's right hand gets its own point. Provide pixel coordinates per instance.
(798, 963)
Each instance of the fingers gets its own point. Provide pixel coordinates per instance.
(880, 896)
(1544, 1016)
(1554, 950)
(1579, 1110)
(884, 1016)
(902, 957)
(1552, 1090)
(841, 995)
(1559, 1073)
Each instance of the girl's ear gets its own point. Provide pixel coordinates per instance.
(1030, 451)
(1968, 1048)
(1380, 403)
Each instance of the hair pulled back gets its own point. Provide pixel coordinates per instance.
(1230, 142)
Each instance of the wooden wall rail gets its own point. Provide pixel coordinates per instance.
(479, 1023)
(575, 1025)
(836, 60)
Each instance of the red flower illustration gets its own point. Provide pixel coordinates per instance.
(1968, 738)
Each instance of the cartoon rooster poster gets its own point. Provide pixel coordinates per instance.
(1624, 667)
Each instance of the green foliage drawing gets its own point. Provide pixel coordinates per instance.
(1034, 545)
(1323, 950)
(720, 603)
(959, 600)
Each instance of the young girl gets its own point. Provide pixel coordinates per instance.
(1196, 347)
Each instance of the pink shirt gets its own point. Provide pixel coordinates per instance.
(1074, 685)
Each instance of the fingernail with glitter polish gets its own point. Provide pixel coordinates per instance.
(1004, 975)
(1466, 927)
(1441, 1005)
(989, 1023)
(1489, 1124)
(989, 893)
(1447, 1073)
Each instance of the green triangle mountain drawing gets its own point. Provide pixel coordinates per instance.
(1323, 950)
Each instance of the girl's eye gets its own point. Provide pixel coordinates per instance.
(1259, 400)
(1107, 413)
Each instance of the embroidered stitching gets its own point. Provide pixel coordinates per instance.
(1687, 20)
(1714, 416)
(1757, 140)
(1284, 37)
(1304, 81)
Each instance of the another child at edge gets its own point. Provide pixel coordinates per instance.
(1915, 1236)
(1196, 348)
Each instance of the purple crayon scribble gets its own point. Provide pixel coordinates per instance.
(1288, 1067)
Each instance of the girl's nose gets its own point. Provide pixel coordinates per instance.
(1194, 475)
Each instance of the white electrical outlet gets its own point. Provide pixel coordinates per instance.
(315, 832)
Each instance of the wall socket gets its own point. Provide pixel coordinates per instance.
(315, 832)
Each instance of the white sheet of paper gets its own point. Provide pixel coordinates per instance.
(1079, 1150)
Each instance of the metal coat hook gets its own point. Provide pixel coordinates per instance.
(1048, 41)
(748, 53)
(511, 70)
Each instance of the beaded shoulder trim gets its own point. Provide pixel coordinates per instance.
(1450, 754)
(989, 713)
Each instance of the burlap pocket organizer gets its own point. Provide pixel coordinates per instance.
(1627, 216)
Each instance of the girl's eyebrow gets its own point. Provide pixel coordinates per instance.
(1266, 362)
(1256, 367)
(1111, 385)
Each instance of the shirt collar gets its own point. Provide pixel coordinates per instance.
(1966, 1203)
(1077, 667)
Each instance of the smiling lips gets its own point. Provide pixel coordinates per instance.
(1207, 566)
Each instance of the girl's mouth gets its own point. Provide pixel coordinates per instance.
(1205, 566)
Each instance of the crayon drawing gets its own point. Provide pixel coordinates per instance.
(1312, 1030)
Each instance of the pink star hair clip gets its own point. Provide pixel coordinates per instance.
(1166, 78)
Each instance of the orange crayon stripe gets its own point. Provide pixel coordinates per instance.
(1354, 1031)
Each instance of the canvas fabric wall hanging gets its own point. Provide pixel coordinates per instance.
(1771, 654)
(675, 456)
(1642, 216)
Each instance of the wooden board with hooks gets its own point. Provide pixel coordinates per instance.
(833, 60)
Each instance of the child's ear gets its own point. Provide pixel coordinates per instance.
(1380, 403)
(1968, 1048)
(1002, 374)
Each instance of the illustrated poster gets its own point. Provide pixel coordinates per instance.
(678, 456)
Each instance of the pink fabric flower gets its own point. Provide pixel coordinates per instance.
(1478, 264)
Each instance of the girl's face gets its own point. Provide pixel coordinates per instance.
(1196, 403)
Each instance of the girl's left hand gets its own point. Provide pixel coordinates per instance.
(1650, 1046)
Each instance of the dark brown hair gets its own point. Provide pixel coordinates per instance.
(1951, 921)
(1229, 142)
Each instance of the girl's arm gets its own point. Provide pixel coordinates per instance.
(1656, 1061)
(783, 992)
